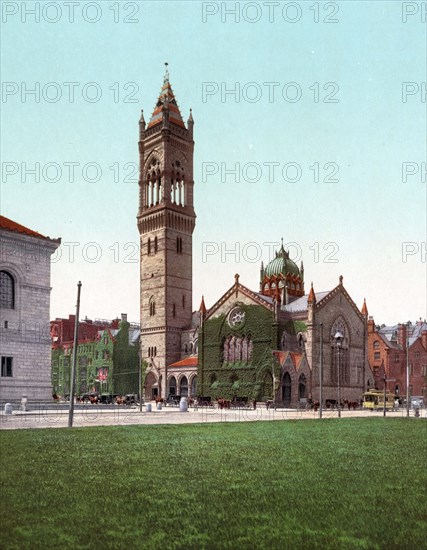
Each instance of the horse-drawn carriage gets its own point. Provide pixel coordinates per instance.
(173, 400)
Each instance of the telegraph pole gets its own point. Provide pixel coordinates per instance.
(73, 369)
(321, 373)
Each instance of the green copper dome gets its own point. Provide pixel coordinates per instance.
(281, 264)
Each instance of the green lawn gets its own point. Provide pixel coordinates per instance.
(354, 483)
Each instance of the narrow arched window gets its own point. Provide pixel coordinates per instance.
(149, 246)
(155, 245)
(7, 290)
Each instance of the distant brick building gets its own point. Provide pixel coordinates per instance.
(25, 261)
(387, 352)
(107, 356)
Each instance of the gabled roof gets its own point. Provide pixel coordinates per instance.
(300, 304)
(187, 362)
(295, 357)
(257, 298)
(10, 225)
(334, 292)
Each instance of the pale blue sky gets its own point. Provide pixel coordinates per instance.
(369, 133)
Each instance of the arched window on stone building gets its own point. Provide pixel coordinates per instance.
(7, 290)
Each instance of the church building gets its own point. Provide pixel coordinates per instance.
(166, 221)
(273, 342)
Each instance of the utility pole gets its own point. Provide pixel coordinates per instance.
(321, 373)
(385, 394)
(407, 370)
(73, 369)
(140, 377)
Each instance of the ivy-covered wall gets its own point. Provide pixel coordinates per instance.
(125, 377)
(115, 356)
(250, 379)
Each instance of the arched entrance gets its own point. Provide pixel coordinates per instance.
(302, 387)
(172, 386)
(183, 387)
(286, 389)
(151, 386)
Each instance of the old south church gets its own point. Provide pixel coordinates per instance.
(249, 341)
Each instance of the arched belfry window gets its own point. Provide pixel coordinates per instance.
(7, 290)
(154, 184)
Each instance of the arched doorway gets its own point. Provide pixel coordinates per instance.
(183, 387)
(151, 386)
(193, 385)
(286, 389)
(172, 386)
(302, 387)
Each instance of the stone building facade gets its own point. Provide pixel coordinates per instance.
(251, 342)
(166, 221)
(391, 349)
(248, 341)
(25, 263)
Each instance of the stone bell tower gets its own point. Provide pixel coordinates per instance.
(166, 221)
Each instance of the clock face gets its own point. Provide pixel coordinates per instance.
(236, 317)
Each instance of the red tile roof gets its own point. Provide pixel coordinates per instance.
(10, 225)
(187, 362)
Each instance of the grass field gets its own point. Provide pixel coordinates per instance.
(354, 483)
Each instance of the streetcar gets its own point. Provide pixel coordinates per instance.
(374, 400)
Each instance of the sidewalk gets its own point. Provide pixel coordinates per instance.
(94, 416)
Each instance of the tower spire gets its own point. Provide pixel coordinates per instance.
(166, 77)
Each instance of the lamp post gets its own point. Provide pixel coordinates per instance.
(407, 369)
(338, 339)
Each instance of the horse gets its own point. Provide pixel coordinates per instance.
(351, 404)
(223, 403)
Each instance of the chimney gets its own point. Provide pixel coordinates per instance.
(124, 317)
(424, 339)
(401, 336)
(371, 325)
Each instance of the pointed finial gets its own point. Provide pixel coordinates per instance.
(236, 278)
(282, 241)
(166, 77)
(364, 309)
(202, 307)
(190, 118)
(312, 296)
(341, 279)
